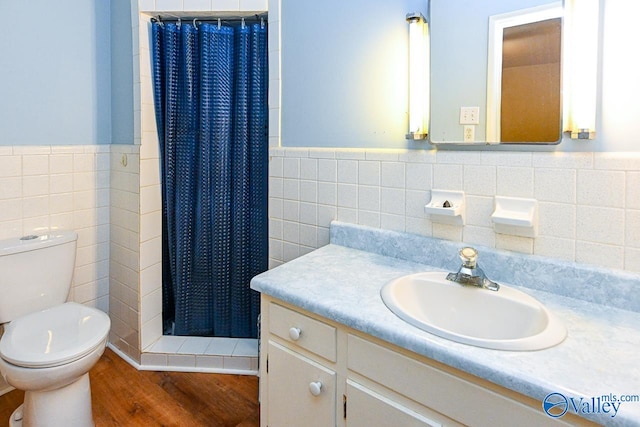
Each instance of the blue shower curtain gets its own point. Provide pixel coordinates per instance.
(210, 89)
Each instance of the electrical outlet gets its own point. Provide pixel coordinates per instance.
(469, 115)
(469, 133)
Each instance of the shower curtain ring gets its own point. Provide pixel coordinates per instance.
(219, 23)
(194, 23)
(243, 24)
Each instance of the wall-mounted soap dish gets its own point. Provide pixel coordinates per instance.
(516, 216)
(446, 206)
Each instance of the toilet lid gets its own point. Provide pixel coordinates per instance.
(54, 336)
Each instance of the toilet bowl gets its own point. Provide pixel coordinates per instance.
(48, 355)
(49, 351)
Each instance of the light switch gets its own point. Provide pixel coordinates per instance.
(469, 115)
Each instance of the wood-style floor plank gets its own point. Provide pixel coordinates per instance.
(8, 403)
(123, 396)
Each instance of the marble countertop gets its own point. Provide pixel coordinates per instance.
(600, 355)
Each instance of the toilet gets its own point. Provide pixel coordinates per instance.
(48, 345)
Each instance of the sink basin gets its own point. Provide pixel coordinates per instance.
(507, 319)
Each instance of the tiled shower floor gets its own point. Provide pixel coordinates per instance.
(202, 354)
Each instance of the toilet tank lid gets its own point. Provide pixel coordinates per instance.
(36, 241)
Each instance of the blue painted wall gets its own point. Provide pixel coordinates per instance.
(122, 127)
(344, 72)
(55, 76)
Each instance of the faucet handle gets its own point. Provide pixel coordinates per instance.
(469, 257)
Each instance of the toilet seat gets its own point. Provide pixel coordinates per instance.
(55, 336)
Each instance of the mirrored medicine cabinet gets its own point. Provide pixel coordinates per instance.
(496, 72)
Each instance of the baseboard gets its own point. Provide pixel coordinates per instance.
(173, 368)
(124, 356)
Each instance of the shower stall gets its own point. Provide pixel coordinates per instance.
(210, 82)
(136, 261)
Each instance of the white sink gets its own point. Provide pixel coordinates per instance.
(506, 319)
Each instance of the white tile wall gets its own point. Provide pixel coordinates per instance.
(62, 187)
(589, 208)
(125, 249)
(154, 6)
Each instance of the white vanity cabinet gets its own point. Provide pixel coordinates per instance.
(300, 385)
(316, 372)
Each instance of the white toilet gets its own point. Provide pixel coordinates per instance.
(48, 346)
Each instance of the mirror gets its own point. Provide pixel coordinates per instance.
(495, 72)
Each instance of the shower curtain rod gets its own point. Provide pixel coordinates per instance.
(251, 19)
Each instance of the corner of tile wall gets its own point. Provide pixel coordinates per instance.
(125, 249)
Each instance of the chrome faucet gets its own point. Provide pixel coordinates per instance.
(469, 273)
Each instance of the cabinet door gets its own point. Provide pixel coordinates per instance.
(292, 402)
(366, 408)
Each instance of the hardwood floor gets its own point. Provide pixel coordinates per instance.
(123, 396)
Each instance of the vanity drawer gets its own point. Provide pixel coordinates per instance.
(442, 391)
(310, 334)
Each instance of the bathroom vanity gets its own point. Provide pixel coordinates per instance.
(333, 354)
(328, 373)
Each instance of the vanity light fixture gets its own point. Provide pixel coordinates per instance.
(418, 76)
(581, 24)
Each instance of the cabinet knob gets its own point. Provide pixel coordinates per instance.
(294, 333)
(315, 387)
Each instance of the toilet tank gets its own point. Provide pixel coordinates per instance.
(35, 272)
